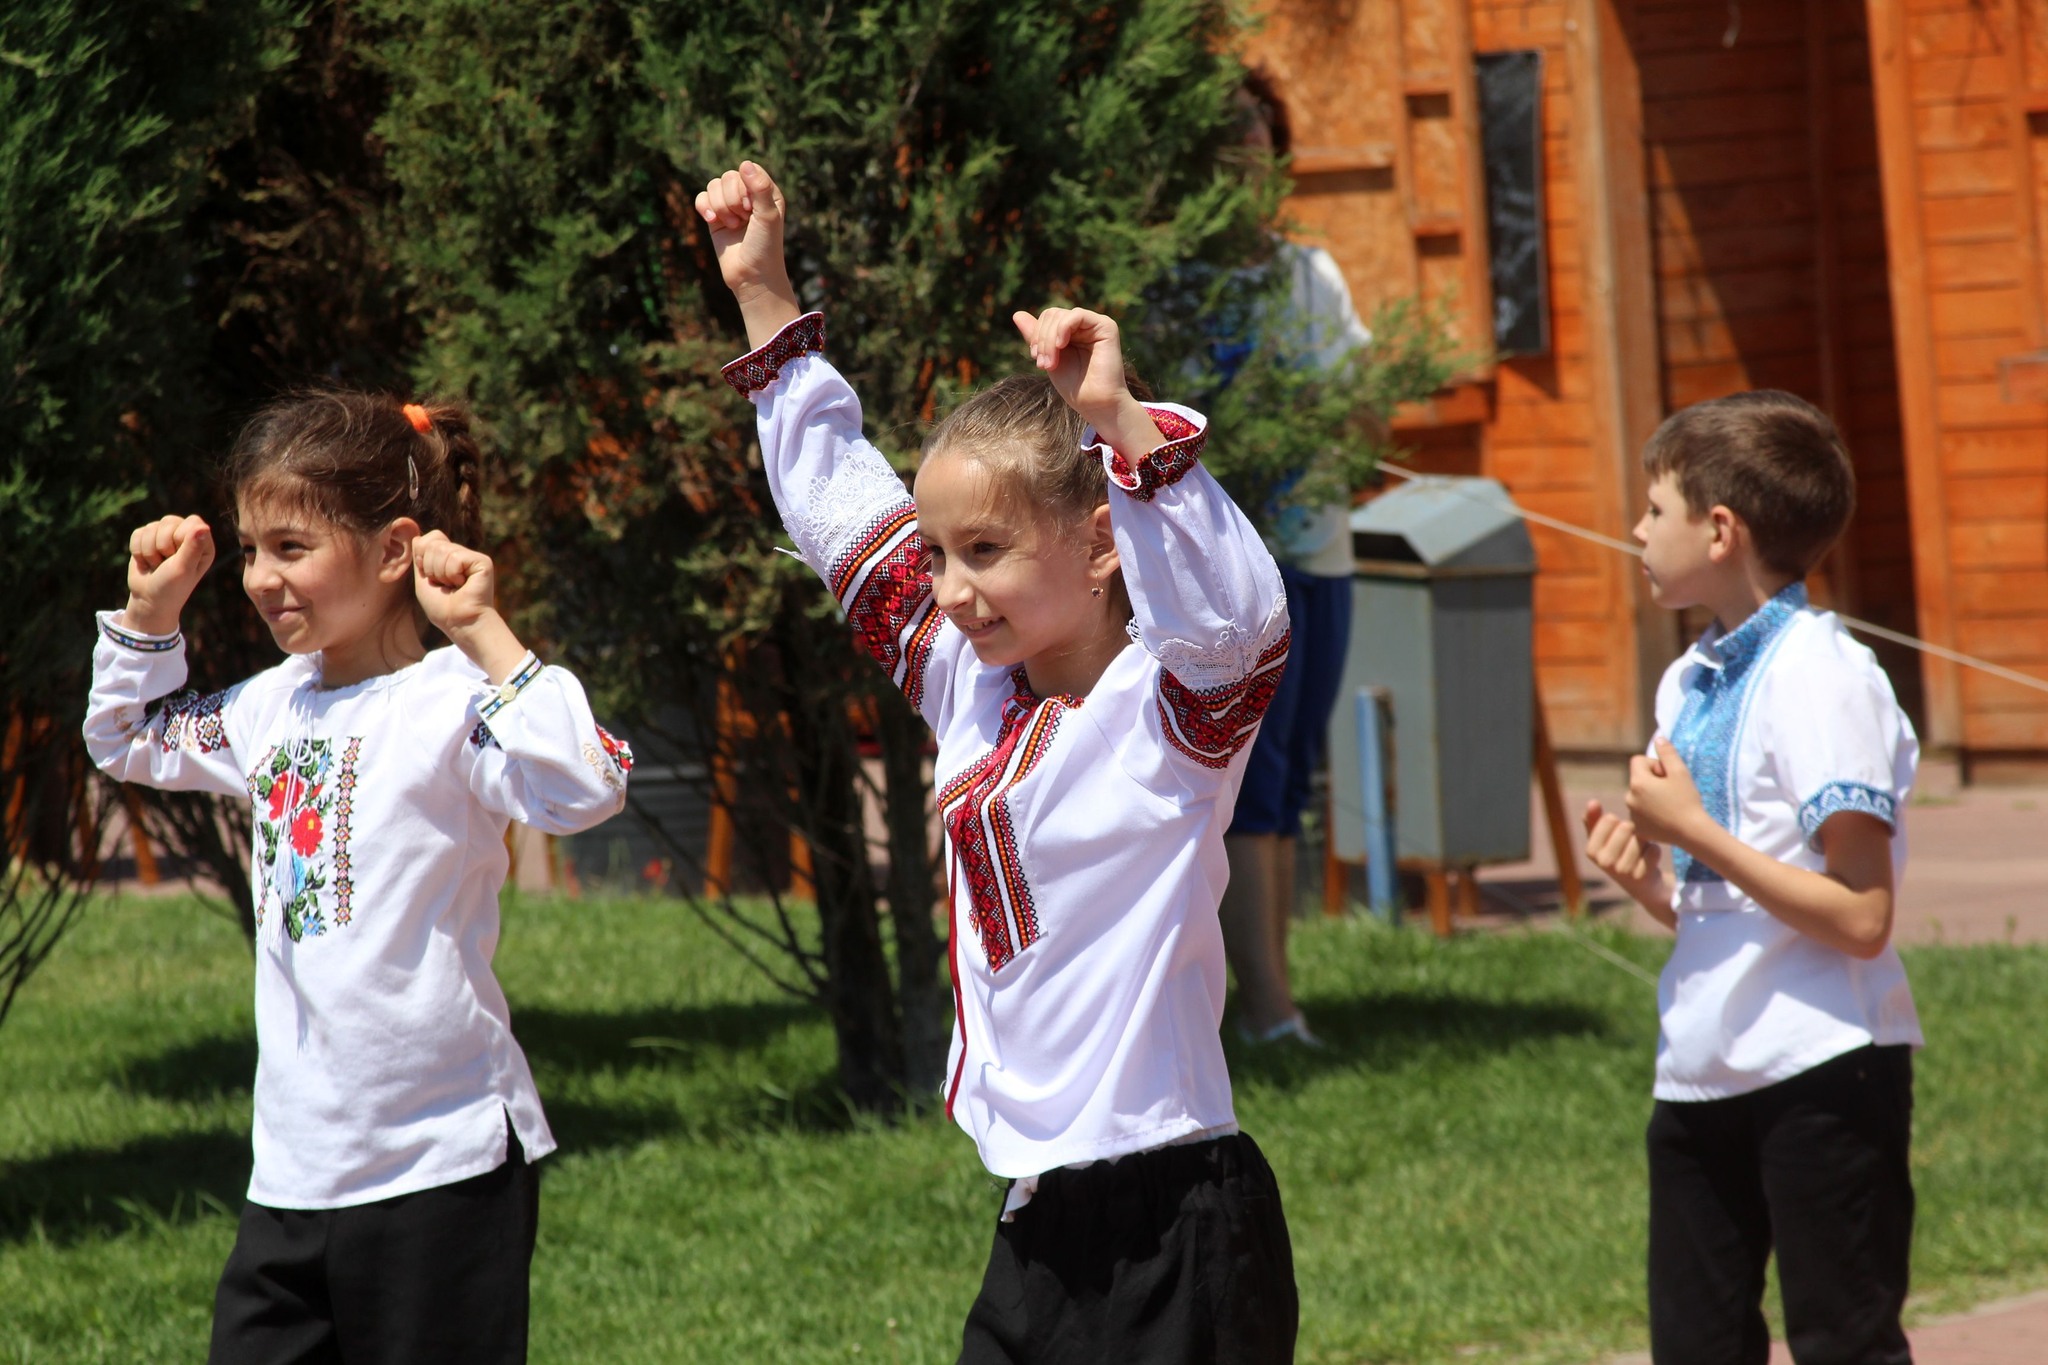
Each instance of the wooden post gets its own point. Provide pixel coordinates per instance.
(1622, 340)
(1569, 883)
(13, 838)
(1913, 344)
(800, 883)
(146, 870)
(1840, 564)
(1437, 892)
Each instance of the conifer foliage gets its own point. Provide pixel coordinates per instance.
(947, 162)
(108, 112)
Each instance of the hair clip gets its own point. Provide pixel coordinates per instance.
(412, 479)
(422, 421)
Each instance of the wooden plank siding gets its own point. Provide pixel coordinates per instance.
(1771, 260)
(1844, 198)
(1342, 82)
(1963, 204)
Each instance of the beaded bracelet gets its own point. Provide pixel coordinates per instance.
(144, 644)
(502, 695)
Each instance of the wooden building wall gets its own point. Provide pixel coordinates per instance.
(1845, 198)
(1960, 87)
(1377, 92)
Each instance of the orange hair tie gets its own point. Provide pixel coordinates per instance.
(417, 415)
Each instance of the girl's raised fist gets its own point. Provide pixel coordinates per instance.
(166, 559)
(746, 213)
(456, 585)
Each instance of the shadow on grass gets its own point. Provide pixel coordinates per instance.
(1382, 1032)
(204, 1069)
(574, 1041)
(149, 1182)
(583, 1041)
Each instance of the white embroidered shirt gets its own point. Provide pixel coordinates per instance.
(1083, 835)
(1784, 721)
(385, 1057)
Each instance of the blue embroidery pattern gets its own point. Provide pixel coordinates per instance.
(1837, 797)
(1716, 704)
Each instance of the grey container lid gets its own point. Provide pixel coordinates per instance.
(1442, 525)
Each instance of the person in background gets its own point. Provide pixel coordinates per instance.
(1313, 546)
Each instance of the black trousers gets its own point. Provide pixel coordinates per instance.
(1814, 1167)
(437, 1277)
(1179, 1255)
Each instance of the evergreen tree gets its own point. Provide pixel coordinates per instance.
(949, 160)
(108, 110)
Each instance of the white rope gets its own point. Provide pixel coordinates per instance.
(1864, 627)
(1602, 950)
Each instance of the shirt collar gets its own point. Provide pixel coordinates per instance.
(1742, 644)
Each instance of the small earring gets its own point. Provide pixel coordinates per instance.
(1095, 591)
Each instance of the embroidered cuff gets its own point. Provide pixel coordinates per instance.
(1164, 466)
(501, 696)
(756, 370)
(1837, 797)
(136, 640)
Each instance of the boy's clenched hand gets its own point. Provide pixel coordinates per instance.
(1663, 800)
(1632, 864)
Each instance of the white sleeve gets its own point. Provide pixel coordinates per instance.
(843, 504)
(1838, 747)
(139, 727)
(538, 756)
(1206, 596)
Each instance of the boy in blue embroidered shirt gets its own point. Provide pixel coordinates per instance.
(1777, 776)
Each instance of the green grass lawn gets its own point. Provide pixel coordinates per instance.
(1462, 1166)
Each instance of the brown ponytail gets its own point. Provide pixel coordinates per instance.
(359, 460)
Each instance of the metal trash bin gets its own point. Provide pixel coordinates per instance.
(1441, 614)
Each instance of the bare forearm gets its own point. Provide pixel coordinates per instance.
(1127, 428)
(767, 308)
(1856, 922)
(1656, 902)
(148, 619)
(489, 644)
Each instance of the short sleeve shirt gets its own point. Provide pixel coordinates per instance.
(1785, 722)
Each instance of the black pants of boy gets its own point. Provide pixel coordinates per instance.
(1177, 1255)
(1815, 1167)
(437, 1277)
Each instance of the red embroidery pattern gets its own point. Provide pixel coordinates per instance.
(1163, 467)
(192, 722)
(344, 813)
(1211, 726)
(883, 581)
(756, 370)
(481, 737)
(975, 808)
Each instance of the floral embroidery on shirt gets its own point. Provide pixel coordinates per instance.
(191, 722)
(482, 738)
(620, 752)
(304, 795)
(975, 807)
(1211, 724)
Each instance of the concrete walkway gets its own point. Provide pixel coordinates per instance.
(1976, 872)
